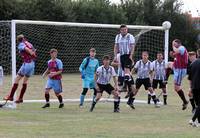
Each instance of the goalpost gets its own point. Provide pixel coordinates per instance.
(73, 40)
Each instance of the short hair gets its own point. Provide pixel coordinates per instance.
(92, 50)
(20, 38)
(198, 52)
(160, 53)
(192, 53)
(106, 57)
(145, 52)
(177, 41)
(122, 26)
(53, 50)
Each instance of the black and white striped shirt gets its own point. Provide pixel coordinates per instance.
(125, 44)
(104, 75)
(143, 69)
(159, 69)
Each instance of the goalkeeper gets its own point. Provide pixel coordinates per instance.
(88, 68)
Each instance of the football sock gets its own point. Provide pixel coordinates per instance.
(23, 90)
(14, 88)
(47, 97)
(182, 96)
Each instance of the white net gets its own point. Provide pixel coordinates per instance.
(73, 43)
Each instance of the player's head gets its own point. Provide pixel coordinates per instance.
(192, 56)
(145, 55)
(176, 43)
(92, 52)
(106, 60)
(159, 56)
(20, 38)
(123, 29)
(53, 52)
(198, 53)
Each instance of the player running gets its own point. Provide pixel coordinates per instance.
(103, 76)
(144, 68)
(88, 68)
(180, 55)
(28, 54)
(54, 70)
(159, 76)
(125, 45)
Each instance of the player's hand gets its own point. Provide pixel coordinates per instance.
(52, 74)
(171, 54)
(116, 88)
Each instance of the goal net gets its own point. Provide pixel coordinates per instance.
(73, 41)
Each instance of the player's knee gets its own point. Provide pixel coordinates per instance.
(84, 91)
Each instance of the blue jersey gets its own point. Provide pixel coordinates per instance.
(91, 68)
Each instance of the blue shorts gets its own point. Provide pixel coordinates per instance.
(88, 83)
(56, 85)
(27, 69)
(179, 74)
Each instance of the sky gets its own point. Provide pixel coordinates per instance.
(188, 5)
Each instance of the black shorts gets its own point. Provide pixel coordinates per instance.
(105, 87)
(145, 82)
(160, 82)
(125, 61)
(120, 81)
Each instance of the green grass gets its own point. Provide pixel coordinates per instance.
(30, 120)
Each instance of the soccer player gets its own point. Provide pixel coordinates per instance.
(103, 76)
(192, 58)
(88, 68)
(125, 45)
(180, 55)
(159, 76)
(54, 71)
(144, 69)
(28, 54)
(195, 79)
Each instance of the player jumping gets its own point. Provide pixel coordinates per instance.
(125, 45)
(88, 68)
(54, 70)
(103, 76)
(180, 55)
(28, 54)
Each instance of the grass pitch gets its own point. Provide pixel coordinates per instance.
(30, 120)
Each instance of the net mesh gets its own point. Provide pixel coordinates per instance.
(73, 43)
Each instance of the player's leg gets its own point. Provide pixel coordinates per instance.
(57, 87)
(178, 76)
(28, 71)
(192, 102)
(92, 86)
(47, 97)
(14, 88)
(23, 90)
(147, 86)
(85, 85)
(49, 86)
(100, 90)
(154, 86)
(197, 112)
(134, 93)
(164, 91)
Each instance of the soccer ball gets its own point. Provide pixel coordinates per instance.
(166, 25)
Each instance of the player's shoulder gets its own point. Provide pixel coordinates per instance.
(58, 60)
(100, 67)
(130, 35)
(96, 60)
